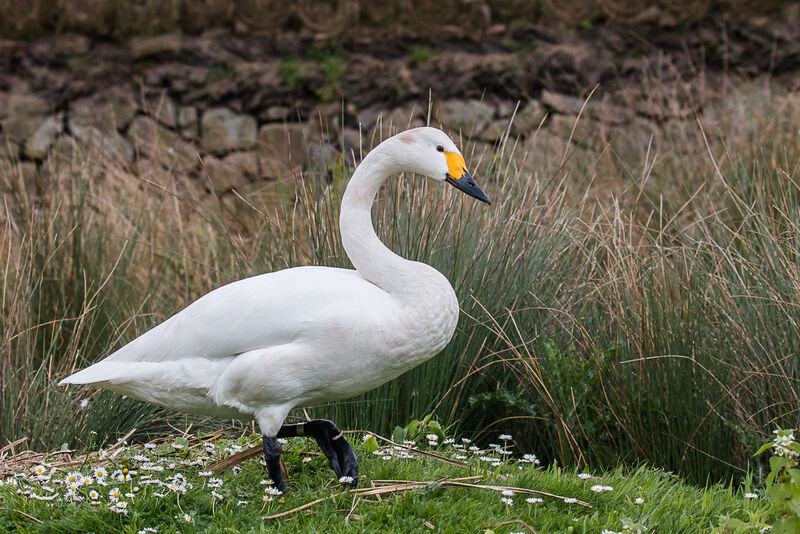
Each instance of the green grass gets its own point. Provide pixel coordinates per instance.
(668, 504)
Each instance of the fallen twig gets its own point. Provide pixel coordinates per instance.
(525, 525)
(26, 515)
(293, 510)
(239, 457)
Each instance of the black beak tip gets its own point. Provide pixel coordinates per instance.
(467, 184)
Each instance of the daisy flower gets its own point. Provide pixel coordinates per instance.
(121, 505)
(40, 470)
(84, 404)
(205, 473)
(114, 494)
(100, 472)
(584, 476)
(187, 518)
(345, 480)
(150, 446)
(570, 500)
(306, 459)
(507, 501)
(94, 495)
(147, 530)
(72, 478)
(216, 495)
(86, 480)
(638, 500)
(534, 500)
(431, 437)
(507, 492)
(266, 498)
(751, 496)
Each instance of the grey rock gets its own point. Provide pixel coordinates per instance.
(112, 109)
(282, 149)
(223, 130)
(187, 121)
(389, 123)
(322, 157)
(163, 145)
(8, 149)
(528, 118)
(163, 109)
(351, 144)
(587, 132)
(567, 104)
(108, 143)
(232, 172)
(23, 115)
(275, 113)
(495, 130)
(602, 110)
(65, 150)
(465, 116)
(39, 143)
(168, 44)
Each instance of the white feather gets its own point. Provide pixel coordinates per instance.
(261, 346)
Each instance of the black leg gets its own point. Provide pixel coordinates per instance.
(333, 444)
(272, 455)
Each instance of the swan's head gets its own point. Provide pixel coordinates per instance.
(430, 152)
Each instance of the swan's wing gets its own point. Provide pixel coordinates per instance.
(258, 312)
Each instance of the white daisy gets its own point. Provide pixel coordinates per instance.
(534, 500)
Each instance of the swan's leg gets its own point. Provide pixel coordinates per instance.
(272, 455)
(332, 443)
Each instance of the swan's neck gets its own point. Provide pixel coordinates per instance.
(371, 258)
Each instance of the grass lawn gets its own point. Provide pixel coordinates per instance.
(168, 487)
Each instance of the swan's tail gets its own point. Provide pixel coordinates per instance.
(99, 372)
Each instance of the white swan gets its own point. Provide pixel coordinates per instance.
(258, 347)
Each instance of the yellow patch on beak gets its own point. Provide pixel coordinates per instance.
(455, 165)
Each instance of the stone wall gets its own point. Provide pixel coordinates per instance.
(238, 110)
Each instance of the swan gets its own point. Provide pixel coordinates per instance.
(259, 347)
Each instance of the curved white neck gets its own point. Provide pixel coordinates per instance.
(371, 258)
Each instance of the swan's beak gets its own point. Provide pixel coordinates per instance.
(467, 185)
(458, 176)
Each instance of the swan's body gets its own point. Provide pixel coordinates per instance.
(265, 344)
(258, 347)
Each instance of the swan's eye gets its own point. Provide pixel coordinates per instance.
(440, 148)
